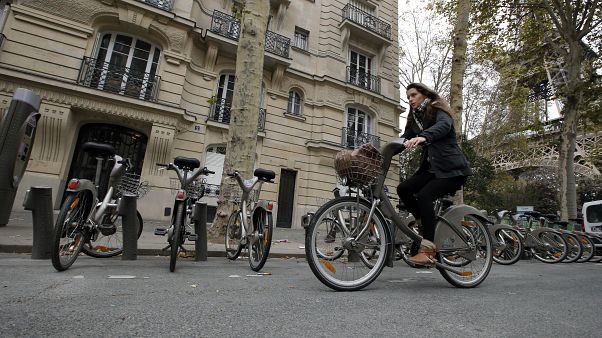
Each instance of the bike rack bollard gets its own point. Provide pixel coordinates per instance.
(127, 210)
(39, 201)
(199, 217)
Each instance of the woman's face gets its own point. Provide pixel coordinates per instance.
(415, 97)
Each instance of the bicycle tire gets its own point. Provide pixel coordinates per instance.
(589, 248)
(74, 210)
(347, 272)
(597, 257)
(176, 238)
(259, 250)
(473, 272)
(554, 247)
(513, 247)
(233, 236)
(574, 249)
(102, 247)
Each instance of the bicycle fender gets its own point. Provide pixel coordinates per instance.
(498, 226)
(449, 231)
(85, 185)
(264, 205)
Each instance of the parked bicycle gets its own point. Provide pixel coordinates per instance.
(250, 226)
(581, 246)
(545, 244)
(187, 170)
(363, 242)
(507, 243)
(88, 224)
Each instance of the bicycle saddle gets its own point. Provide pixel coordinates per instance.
(187, 163)
(264, 174)
(100, 149)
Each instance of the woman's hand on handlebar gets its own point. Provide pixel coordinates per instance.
(414, 142)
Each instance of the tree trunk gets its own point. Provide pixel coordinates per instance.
(242, 135)
(566, 164)
(458, 69)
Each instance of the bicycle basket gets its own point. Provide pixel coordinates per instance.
(359, 166)
(195, 190)
(233, 193)
(131, 184)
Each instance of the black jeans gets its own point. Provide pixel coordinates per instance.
(419, 193)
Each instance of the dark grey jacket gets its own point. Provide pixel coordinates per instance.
(444, 154)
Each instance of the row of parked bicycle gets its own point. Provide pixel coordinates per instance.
(90, 223)
(543, 237)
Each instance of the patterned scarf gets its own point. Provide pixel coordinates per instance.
(419, 112)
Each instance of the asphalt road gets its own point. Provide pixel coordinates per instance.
(216, 298)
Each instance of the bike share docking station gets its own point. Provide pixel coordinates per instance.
(17, 135)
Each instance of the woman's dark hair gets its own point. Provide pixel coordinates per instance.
(436, 102)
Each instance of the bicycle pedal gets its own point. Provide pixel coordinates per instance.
(161, 231)
(192, 237)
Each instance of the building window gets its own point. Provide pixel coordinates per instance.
(301, 38)
(125, 65)
(359, 129)
(295, 103)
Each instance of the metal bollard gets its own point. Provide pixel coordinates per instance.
(199, 217)
(127, 210)
(39, 201)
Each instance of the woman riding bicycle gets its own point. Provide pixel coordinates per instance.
(443, 166)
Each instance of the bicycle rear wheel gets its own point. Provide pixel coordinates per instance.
(574, 249)
(552, 249)
(233, 235)
(338, 259)
(177, 236)
(109, 242)
(511, 247)
(259, 248)
(471, 260)
(70, 232)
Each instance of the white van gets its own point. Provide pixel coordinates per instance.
(592, 216)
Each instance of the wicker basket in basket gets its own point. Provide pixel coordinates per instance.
(359, 166)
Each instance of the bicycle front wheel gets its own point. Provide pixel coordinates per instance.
(589, 248)
(109, 237)
(338, 258)
(471, 260)
(70, 232)
(233, 235)
(510, 247)
(552, 247)
(574, 250)
(259, 245)
(177, 236)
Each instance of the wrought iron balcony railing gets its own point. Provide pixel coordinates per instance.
(221, 112)
(227, 26)
(108, 77)
(367, 21)
(166, 5)
(354, 139)
(363, 79)
(277, 44)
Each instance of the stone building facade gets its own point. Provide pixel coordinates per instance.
(154, 78)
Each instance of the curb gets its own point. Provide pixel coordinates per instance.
(27, 249)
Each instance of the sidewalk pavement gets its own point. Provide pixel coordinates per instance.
(17, 237)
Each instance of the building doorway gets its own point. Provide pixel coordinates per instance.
(286, 197)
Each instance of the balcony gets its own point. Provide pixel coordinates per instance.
(166, 5)
(363, 80)
(221, 112)
(227, 26)
(367, 21)
(354, 139)
(119, 80)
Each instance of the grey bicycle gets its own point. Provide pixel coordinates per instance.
(366, 226)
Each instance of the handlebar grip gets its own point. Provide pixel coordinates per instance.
(162, 165)
(209, 172)
(231, 174)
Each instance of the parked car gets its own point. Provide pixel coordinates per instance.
(592, 216)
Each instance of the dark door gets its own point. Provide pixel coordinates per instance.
(286, 195)
(128, 143)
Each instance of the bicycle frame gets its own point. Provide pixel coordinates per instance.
(381, 204)
(246, 187)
